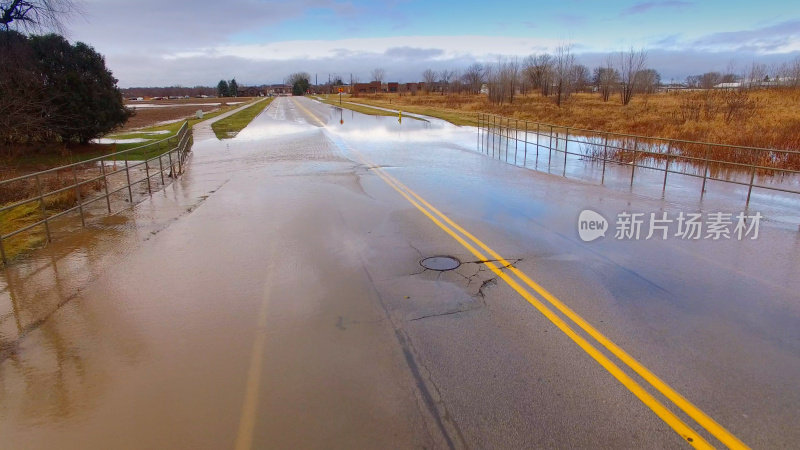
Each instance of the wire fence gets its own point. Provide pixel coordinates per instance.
(100, 186)
(543, 146)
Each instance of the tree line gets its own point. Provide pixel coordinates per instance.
(55, 91)
(557, 75)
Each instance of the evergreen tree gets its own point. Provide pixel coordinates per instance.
(233, 88)
(223, 90)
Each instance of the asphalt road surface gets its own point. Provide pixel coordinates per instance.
(273, 297)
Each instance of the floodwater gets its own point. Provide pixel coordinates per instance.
(119, 141)
(273, 297)
(173, 105)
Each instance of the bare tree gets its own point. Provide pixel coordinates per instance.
(503, 78)
(563, 68)
(757, 74)
(36, 15)
(630, 64)
(474, 77)
(429, 77)
(580, 78)
(539, 72)
(647, 81)
(378, 74)
(445, 76)
(456, 83)
(606, 78)
(794, 72)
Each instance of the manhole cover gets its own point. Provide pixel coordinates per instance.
(440, 263)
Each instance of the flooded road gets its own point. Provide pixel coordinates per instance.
(273, 297)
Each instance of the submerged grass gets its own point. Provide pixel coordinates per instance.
(348, 103)
(233, 124)
(765, 118)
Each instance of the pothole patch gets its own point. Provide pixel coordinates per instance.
(440, 263)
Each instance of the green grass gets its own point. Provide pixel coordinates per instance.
(233, 124)
(15, 219)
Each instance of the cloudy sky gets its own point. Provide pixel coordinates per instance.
(198, 42)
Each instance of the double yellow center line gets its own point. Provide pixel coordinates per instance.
(494, 261)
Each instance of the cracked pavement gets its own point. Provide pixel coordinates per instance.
(282, 273)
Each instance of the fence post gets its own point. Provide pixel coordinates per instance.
(750, 188)
(705, 173)
(605, 158)
(181, 154)
(169, 155)
(516, 139)
(494, 132)
(550, 153)
(478, 146)
(78, 195)
(508, 136)
(105, 183)
(525, 153)
(666, 168)
(3, 251)
(566, 151)
(147, 174)
(128, 176)
(488, 131)
(538, 133)
(633, 163)
(161, 169)
(42, 208)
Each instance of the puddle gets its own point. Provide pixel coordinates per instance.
(119, 141)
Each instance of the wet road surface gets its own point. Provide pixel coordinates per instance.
(273, 298)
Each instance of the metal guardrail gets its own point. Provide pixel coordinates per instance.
(151, 170)
(704, 160)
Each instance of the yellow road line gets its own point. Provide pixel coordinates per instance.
(681, 402)
(690, 409)
(247, 421)
(661, 411)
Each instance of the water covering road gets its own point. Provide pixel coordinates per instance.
(273, 298)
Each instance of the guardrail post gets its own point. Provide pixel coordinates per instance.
(42, 208)
(161, 169)
(169, 155)
(633, 164)
(508, 136)
(128, 176)
(516, 139)
(605, 158)
(538, 133)
(494, 132)
(750, 188)
(705, 173)
(666, 167)
(105, 183)
(550, 154)
(525, 153)
(147, 174)
(78, 195)
(566, 152)
(3, 251)
(181, 153)
(488, 132)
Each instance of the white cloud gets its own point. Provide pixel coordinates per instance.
(430, 47)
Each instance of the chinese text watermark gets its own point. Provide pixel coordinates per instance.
(687, 226)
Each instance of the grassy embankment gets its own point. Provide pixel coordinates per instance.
(30, 213)
(233, 124)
